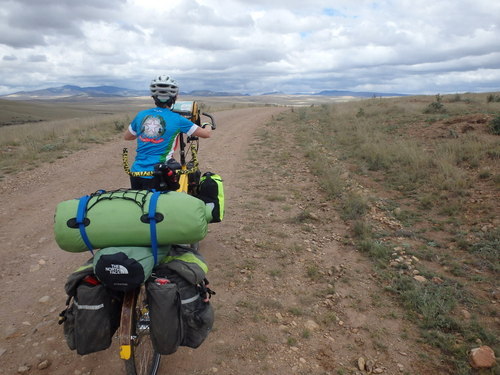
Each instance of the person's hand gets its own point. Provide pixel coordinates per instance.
(203, 132)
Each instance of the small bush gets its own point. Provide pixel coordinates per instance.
(484, 174)
(436, 106)
(302, 114)
(376, 250)
(493, 98)
(487, 250)
(494, 126)
(295, 311)
(362, 230)
(354, 207)
(313, 272)
(50, 147)
(302, 217)
(434, 302)
(119, 125)
(427, 201)
(306, 334)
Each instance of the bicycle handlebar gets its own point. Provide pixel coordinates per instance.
(211, 119)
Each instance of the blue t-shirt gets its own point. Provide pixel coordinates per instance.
(157, 131)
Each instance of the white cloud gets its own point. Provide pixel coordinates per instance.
(253, 45)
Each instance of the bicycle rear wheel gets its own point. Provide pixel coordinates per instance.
(142, 359)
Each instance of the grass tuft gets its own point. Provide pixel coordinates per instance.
(354, 207)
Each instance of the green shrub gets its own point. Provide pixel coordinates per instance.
(362, 230)
(436, 106)
(354, 207)
(494, 126)
(119, 125)
(487, 250)
(376, 250)
(493, 98)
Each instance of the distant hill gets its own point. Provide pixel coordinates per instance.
(77, 92)
(72, 91)
(212, 93)
(273, 93)
(354, 93)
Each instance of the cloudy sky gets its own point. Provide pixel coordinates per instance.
(253, 46)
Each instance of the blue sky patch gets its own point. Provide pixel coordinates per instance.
(332, 12)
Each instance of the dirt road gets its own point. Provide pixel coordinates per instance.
(292, 298)
(34, 268)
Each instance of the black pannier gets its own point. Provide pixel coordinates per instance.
(165, 314)
(184, 318)
(92, 314)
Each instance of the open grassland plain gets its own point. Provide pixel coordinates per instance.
(359, 237)
(36, 131)
(32, 132)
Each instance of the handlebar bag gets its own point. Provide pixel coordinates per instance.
(187, 109)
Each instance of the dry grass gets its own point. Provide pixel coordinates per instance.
(42, 131)
(23, 146)
(436, 160)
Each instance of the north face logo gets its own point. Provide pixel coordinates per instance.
(117, 269)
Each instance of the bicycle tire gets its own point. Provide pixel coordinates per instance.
(144, 360)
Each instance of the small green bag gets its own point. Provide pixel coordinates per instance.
(211, 191)
(187, 263)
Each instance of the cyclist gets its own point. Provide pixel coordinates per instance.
(157, 130)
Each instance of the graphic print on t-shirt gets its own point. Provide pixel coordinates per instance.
(152, 128)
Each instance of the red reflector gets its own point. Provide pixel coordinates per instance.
(91, 280)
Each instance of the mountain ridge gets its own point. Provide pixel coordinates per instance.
(114, 91)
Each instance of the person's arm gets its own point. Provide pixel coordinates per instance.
(205, 132)
(129, 136)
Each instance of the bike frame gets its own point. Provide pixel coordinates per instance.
(129, 301)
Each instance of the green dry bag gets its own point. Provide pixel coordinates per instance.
(129, 218)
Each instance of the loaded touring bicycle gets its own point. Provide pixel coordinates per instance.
(146, 281)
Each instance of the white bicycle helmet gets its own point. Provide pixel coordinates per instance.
(164, 87)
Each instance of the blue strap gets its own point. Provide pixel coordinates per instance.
(80, 220)
(152, 223)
